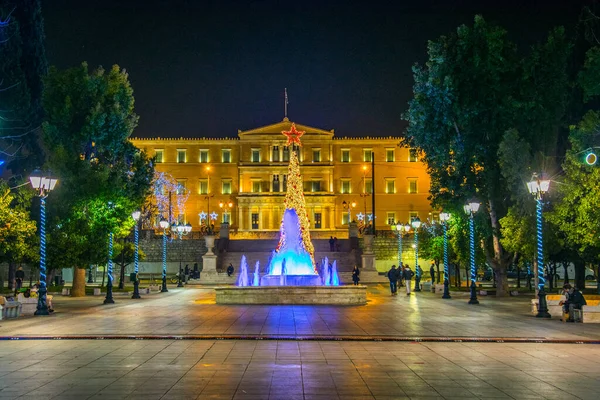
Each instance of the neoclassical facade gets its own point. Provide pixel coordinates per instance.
(249, 173)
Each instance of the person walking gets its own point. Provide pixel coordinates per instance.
(186, 273)
(355, 275)
(408, 274)
(19, 277)
(331, 243)
(393, 277)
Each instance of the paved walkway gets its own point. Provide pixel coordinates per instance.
(192, 311)
(179, 370)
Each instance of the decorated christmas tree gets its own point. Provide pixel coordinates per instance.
(294, 200)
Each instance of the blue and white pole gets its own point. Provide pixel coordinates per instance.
(542, 303)
(42, 306)
(164, 263)
(417, 269)
(446, 294)
(473, 299)
(136, 266)
(109, 284)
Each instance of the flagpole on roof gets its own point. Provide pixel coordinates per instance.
(285, 103)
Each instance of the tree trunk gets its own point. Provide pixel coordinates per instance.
(500, 260)
(12, 268)
(566, 268)
(580, 274)
(78, 289)
(598, 279)
(518, 277)
(437, 264)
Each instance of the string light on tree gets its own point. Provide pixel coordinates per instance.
(168, 193)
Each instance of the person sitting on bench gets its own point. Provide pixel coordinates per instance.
(574, 301)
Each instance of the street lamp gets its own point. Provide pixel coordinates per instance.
(400, 228)
(349, 207)
(470, 209)
(416, 224)
(164, 224)
(444, 217)
(136, 237)
(226, 214)
(538, 187)
(181, 230)
(43, 183)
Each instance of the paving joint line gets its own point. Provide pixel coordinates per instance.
(321, 338)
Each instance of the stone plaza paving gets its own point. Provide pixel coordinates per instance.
(367, 364)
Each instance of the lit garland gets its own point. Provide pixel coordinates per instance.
(162, 186)
(294, 200)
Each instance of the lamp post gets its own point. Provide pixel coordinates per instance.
(444, 217)
(470, 209)
(136, 238)
(43, 183)
(538, 187)
(109, 285)
(226, 214)
(349, 207)
(164, 224)
(416, 224)
(181, 230)
(90, 278)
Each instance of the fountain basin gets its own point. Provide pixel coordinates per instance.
(332, 295)
(291, 280)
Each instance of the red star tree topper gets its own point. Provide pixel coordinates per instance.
(293, 135)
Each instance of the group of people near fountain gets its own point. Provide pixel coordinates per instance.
(399, 274)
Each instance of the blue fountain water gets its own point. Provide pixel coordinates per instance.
(292, 265)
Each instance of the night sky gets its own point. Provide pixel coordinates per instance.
(209, 68)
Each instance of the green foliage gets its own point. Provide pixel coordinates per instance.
(577, 214)
(18, 240)
(103, 178)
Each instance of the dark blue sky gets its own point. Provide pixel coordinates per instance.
(208, 68)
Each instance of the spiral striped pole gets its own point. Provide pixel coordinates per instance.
(542, 303)
(136, 283)
(417, 269)
(164, 263)
(446, 294)
(42, 306)
(109, 285)
(473, 299)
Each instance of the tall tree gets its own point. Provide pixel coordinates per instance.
(22, 67)
(473, 89)
(102, 176)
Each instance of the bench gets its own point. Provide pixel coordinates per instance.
(10, 309)
(591, 311)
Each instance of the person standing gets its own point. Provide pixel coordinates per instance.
(393, 277)
(19, 277)
(186, 273)
(336, 245)
(408, 274)
(331, 243)
(432, 272)
(355, 275)
(230, 270)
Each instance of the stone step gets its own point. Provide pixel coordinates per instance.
(320, 245)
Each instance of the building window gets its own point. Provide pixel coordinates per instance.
(317, 220)
(181, 218)
(159, 156)
(316, 155)
(345, 218)
(254, 220)
(285, 183)
(391, 218)
(345, 155)
(203, 156)
(368, 186)
(412, 215)
(315, 186)
(226, 186)
(390, 155)
(227, 217)
(181, 186)
(345, 189)
(255, 155)
(226, 156)
(435, 216)
(412, 185)
(181, 156)
(276, 183)
(275, 155)
(390, 186)
(367, 155)
(412, 155)
(203, 186)
(286, 154)
(256, 186)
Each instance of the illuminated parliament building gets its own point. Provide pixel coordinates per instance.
(243, 179)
